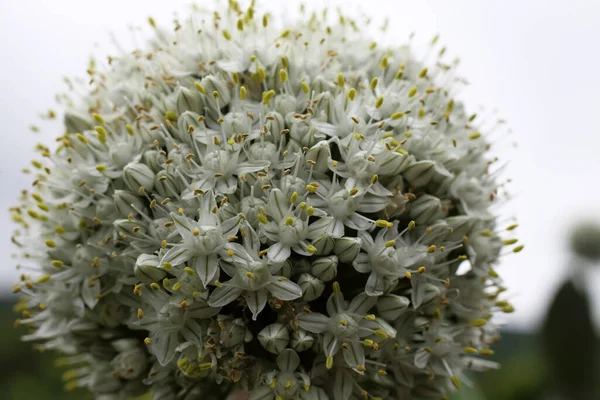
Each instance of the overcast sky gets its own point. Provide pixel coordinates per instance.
(536, 61)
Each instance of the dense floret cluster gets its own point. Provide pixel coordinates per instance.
(279, 210)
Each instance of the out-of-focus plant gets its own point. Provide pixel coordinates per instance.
(569, 340)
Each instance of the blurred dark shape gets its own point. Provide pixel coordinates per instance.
(570, 345)
(585, 241)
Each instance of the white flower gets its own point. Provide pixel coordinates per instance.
(209, 190)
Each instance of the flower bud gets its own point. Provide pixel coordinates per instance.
(130, 363)
(420, 173)
(189, 100)
(76, 122)
(319, 155)
(390, 306)
(166, 184)
(154, 160)
(325, 268)
(324, 245)
(347, 248)
(285, 104)
(146, 269)
(236, 123)
(301, 340)
(138, 175)
(274, 338)
(123, 201)
(188, 126)
(312, 288)
(425, 209)
(213, 84)
(251, 206)
(129, 228)
(122, 153)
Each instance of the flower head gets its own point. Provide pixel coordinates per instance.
(190, 234)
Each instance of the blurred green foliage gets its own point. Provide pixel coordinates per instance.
(27, 374)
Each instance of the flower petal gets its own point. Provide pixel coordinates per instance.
(256, 301)
(313, 322)
(207, 267)
(223, 295)
(284, 289)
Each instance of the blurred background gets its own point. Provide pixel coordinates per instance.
(534, 61)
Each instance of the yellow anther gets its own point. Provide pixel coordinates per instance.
(285, 33)
(431, 248)
(230, 253)
(50, 243)
(450, 106)
(340, 80)
(423, 73)
(147, 341)
(43, 278)
(408, 274)
(311, 249)
(421, 270)
(57, 263)
(381, 334)
(343, 322)
(352, 94)
(353, 191)
(329, 362)
(390, 243)
(250, 275)
(399, 75)
(155, 286)
(283, 75)
(196, 232)
(284, 61)
(368, 343)
(289, 221)
(511, 227)
(374, 83)
(199, 87)
(518, 249)
(180, 211)
(176, 286)
(243, 93)
(304, 87)
(382, 372)
(336, 288)
(411, 225)
(267, 96)
(311, 188)
(294, 197)
(226, 34)
(381, 223)
(455, 381)
(370, 317)
(82, 138)
(397, 115)
(384, 62)
(486, 352)
(470, 350)
(184, 304)
(262, 219)
(412, 92)
(478, 322)
(379, 102)
(361, 368)
(140, 313)
(475, 135)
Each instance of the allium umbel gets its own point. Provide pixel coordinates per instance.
(239, 206)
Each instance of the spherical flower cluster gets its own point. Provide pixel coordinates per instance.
(282, 211)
